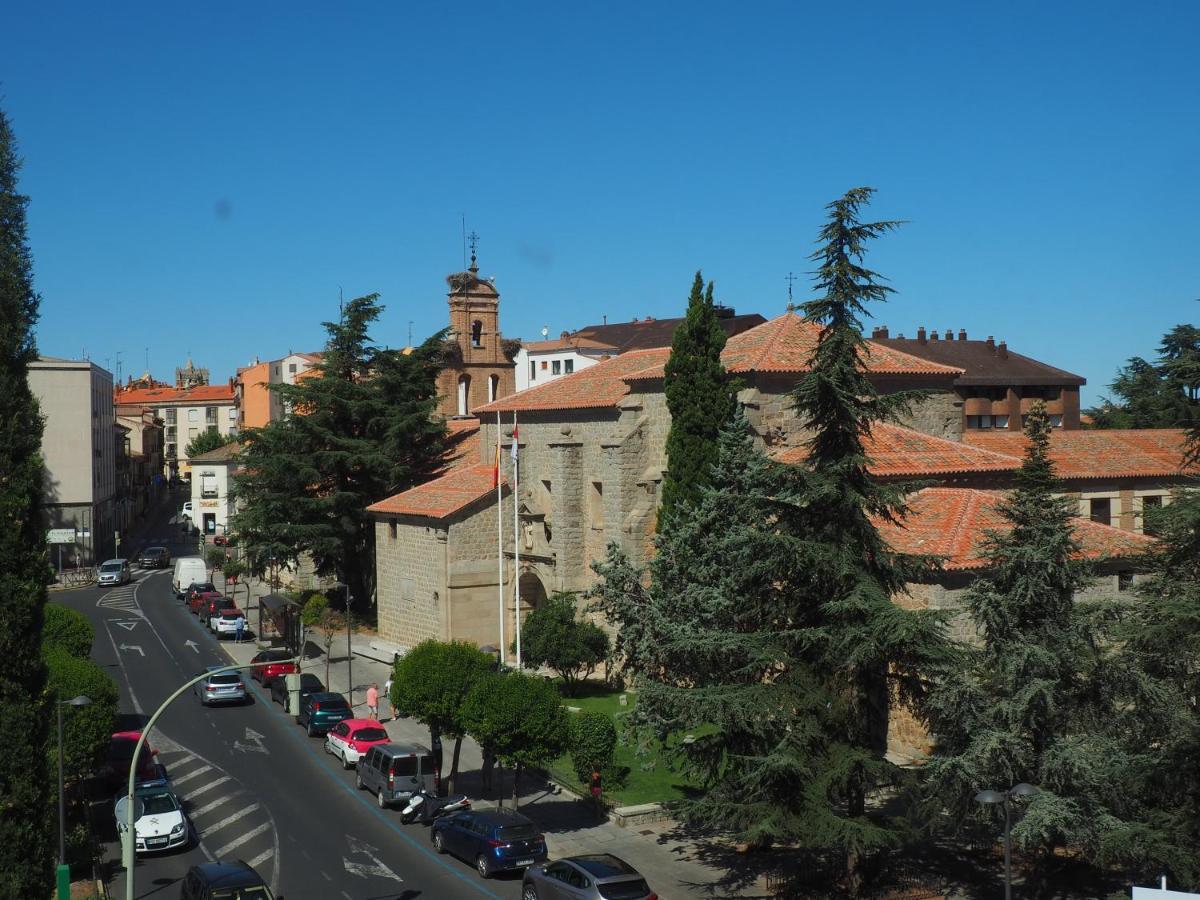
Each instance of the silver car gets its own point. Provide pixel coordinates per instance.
(115, 571)
(220, 687)
(596, 876)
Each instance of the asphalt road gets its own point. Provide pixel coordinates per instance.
(255, 786)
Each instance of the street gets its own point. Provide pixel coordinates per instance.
(254, 785)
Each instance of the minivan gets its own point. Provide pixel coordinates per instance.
(115, 571)
(393, 772)
(187, 570)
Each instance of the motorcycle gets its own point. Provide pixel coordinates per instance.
(429, 807)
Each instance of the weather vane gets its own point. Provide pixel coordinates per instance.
(473, 239)
(789, 278)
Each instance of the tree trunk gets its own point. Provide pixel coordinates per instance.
(453, 765)
(516, 785)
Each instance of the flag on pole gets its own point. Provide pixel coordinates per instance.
(514, 444)
(496, 462)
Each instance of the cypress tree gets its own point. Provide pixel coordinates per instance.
(26, 822)
(699, 398)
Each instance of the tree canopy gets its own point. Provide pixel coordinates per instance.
(209, 439)
(1160, 394)
(556, 636)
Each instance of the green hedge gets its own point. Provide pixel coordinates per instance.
(593, 740)
(86, 729)
(67, 629)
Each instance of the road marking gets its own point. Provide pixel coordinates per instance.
(192, 774)
(187, 758)
(141, 652)
(137, 707)
(241, 839)
(209, 807)
(127, 624)
(260, 859)
(376, 868)
(255, 745)
(229, 820)
(206, 787)
(192, 644)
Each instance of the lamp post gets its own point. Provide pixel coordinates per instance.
(63, 874)
(1006, 798)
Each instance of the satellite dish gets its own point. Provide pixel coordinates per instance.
(122, 809)
(545, 330)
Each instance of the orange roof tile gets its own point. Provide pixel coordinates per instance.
(1098, 454)
(564, 343)
(896, 451)
(442, 497)
(205, 393)
(596, 386)
(952, 523)
(464, 442)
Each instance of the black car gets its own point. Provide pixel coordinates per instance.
(309, 684)
(224, 880)
(319, 711)
(494, 840)
(154, 558)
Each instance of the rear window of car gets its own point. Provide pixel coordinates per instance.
(517, 832)
(246, 893)
(624, 890)
(370, 734)
(234, 614)
(157, 804)
(404, 765)
(334, 704)
(224, 678)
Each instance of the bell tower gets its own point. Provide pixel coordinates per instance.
(479, 370)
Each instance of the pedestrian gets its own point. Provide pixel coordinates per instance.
(240, 627)
(597, 792)
(387, 689)
(373, 702)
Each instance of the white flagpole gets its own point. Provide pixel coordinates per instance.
(516, 539)
(500, 536)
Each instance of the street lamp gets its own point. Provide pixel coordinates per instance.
(63, 874)
(1007, 797)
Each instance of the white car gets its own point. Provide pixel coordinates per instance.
(186, 511)
(226, 622)
(162, 826)
(115, 571)
(350, 739)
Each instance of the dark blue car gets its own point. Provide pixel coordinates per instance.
(495, 840)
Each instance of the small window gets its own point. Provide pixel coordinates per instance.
(1124, 581)
(1055, 421)
(533, 370)
(476, 333)
(1000, 421)
(568, 366)
(547, 487)
(291, 368)
(493, 387)
(1100, 510)
(193, 415)
(596, 505)
(545, 365)
(556, 367)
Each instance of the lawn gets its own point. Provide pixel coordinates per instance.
(640, 786)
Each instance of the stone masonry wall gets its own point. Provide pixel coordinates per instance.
(411, 574)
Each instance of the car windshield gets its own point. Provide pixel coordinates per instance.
(157, 804)
(111, 567)
(370, 734)
(517, 832)
(624, 890)
(152, 551)
(224, 678)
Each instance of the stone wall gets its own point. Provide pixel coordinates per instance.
(411, 567)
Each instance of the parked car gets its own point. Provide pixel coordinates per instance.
(115, 571)
(224, 881)
(188, 570)
(114, 772)
(496, 840)
(198, 602)
(213, 607)
(163, 824)
(597, 876)
(320, 711)
(154, 558)
(185, 512)
(393, 772)
(350, 739)
(220, 687)
(272, 664)
(197, 587)
(308, 684)
(225, 623)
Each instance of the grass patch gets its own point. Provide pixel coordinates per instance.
(652, 784)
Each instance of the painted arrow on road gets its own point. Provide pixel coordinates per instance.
(128, 625)
(191, 644)
(374, 869)
(255, 745)
(133, 647)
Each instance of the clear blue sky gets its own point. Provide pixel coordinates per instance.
(204, 177)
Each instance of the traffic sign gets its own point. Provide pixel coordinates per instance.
(60, 536)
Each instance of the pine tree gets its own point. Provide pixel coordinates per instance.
(699, 398)
(26, 823)
(1045, 698)
(363, 426)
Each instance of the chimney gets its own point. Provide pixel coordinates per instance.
(649, 319)
(962, 334)
(635, 320)
(933, 335)
(991, 343)
(606, 318)
(921, 335)
(1002, 350)
(880, 332)
(949, 334)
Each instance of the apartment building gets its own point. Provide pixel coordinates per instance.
(257, 403)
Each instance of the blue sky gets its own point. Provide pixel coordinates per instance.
(204, 178)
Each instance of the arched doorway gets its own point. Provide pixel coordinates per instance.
(533, 595)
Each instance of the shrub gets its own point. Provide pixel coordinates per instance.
(593, 740)
(554, 636)
(86, 729)
(67, 629)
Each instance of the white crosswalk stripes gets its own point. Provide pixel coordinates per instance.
(204, 788)
(260, 859)
(242, 839)
(213, 804)
(230, 819)
(195, 773)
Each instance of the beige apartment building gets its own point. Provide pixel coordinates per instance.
(79, 448)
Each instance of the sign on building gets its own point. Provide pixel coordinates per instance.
(60, 536)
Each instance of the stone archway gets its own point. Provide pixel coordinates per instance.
(533, 592)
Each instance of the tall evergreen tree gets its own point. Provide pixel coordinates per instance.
(363, 425)
(26, 825)
(1162, 394)
(1045, 697)
(699, 398)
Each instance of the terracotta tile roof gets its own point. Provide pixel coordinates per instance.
(784, 344)
(952, 523)
(982, 362)
(1098, 454)
(565, 343)
(902, 452)
(221, 454)
(442, 497)
(464, 442)
(207, 393)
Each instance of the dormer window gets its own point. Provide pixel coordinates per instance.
(477, 333)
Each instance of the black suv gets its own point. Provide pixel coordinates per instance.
(154, 558)
(214, 880)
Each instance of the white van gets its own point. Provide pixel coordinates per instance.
(187, 570)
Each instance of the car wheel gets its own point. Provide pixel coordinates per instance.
(379, 799)
(346, 764)
(358, 781)
(482, 867)
(529, 892)
(437, 842)
(312, 732)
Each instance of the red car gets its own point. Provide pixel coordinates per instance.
(271, 664)
(115, 770)
(195, 590)
(214, 605)
(350, 739)
(198, 601)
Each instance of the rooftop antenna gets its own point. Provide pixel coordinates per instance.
(473, 239)
(341, 304)
(464, 237)
(789, 278)
(117, 359)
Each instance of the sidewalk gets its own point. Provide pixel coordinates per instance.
(672, 864)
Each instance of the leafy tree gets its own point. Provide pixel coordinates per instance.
(215, 558)
(25, 829)
(519, 717)
(1045, 698)
(317, 613)
(593, 739)
(86, 729)
(554, 635)
(209, 439)
(68, 629)
(432, 682)
(363, 426)
(699, 398)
